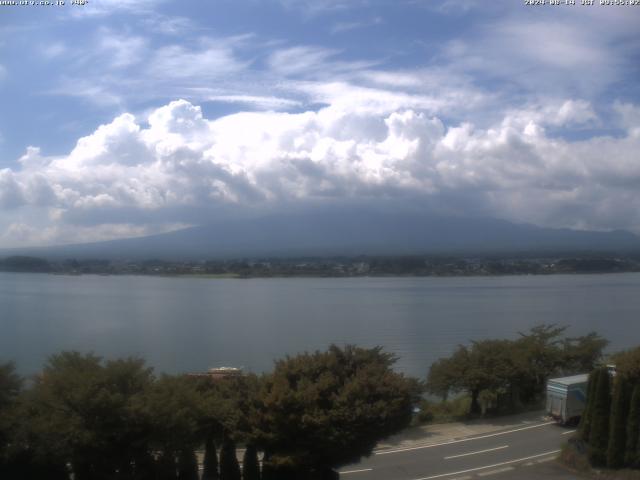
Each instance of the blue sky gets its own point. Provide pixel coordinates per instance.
(123, 118)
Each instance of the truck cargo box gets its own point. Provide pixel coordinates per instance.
(567, 397)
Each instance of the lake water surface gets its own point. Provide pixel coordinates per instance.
(190, 324)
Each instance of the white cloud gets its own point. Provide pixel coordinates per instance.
(630, 117)
(115, 7)
(128, 178)
(123, 50)
(552, 51)
(262, 102)
(211, 60)
(341, 27)
(53, 50)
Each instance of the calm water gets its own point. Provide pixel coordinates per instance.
(187, 324)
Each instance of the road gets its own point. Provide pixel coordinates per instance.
(522, 452)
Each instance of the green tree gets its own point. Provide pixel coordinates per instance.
(632, 451)
(81, 411)
(513, 371)
(173, 409)
(250, 464)
(582, 354)
(210, 470)
(618, 423)
(446, 374)
(599, 435)
(587, 415)
(10, 385)
(167, 467)
(540, 356)
(187, 465)
(229, 467)
(628, 364)
(487, 365)
(268, 471)
(327, 409)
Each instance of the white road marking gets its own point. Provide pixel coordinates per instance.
(542, 460)
(466, 477)
(570, 431)
(475, 453)
(493, 472)
(356, 471)
(489, 466)
(407, 449)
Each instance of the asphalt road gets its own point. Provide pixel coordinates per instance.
(523, 452)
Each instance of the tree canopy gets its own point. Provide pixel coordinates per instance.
(513, 371)
(326, 409)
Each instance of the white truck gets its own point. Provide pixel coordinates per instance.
(567, 397)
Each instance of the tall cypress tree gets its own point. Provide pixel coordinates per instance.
(210, 460)
(618, 424)
(229, 467)
(587, 414)
(145, 466)
(187, 465)
(599, 435)
(268, 472)
(166, 465)
(632, 457)
(250, 465)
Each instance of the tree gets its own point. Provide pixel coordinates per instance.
(250, 465)
(173, 410)
(10, 384)
(327, 409)
(268, 471)
(587, 415)
(187, 465)
(81, 411)
(167, 467)
(446, 374)
(582, 354)
(229, 467)
(488, 365)
(599, 436)
(618, 423)
(628, 364)
(513, 370)
(540, 355)
(210, 470)
(632, 451)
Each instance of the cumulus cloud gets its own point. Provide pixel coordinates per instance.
(130, 177)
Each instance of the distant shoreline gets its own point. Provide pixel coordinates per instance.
(339, 267)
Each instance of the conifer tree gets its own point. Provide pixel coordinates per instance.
(145, 466)
(618, 424)
(166, 466)
(250, 465)
(268, 472)
(210, 471)
(229, 467)
(599, 435)
(187, 465)
(587, 414)
(632, 452)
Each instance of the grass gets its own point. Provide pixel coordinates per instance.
(453, 410)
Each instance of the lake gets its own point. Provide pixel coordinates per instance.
(191, 324)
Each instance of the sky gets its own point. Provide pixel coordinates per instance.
(122, 118)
